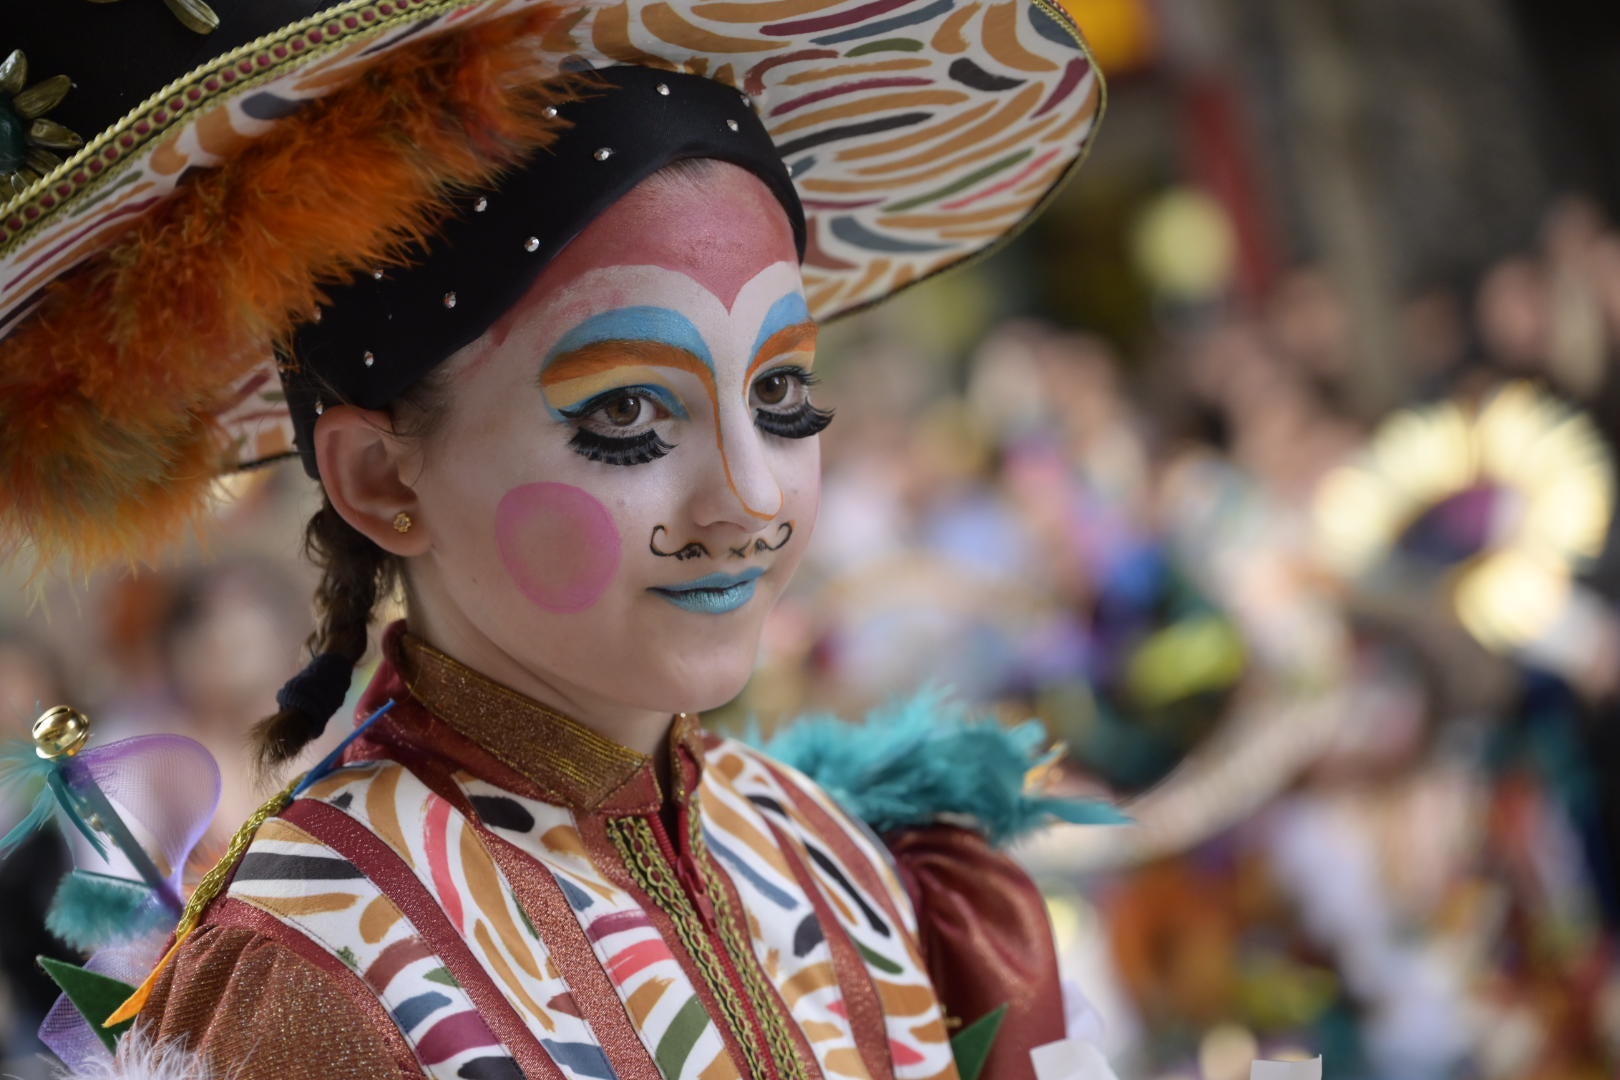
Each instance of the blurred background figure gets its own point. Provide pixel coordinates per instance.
(1273, 470)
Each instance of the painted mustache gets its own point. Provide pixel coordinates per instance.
(784, 533)
(695, 549)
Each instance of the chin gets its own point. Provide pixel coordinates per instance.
(695, 677)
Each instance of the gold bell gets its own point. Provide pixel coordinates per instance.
(60, 732)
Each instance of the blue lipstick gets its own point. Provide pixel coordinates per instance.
(715, 594)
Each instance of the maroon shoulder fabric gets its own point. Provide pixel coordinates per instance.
(254, 1010)
(986, 939)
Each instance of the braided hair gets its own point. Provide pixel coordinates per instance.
(355, 575)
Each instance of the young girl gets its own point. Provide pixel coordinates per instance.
(542, 286)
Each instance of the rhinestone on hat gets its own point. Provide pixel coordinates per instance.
(376, 275)
(549, 111)
(532, 244)
(663, 88)
(450, 299)
(732, 124)
(370, 358)
(481, 205)
(603, 154)
(746, 100)
(319, 408)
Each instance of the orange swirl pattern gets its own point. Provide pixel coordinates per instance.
(919, 132)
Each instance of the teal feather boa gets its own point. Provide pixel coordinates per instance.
(920, 760)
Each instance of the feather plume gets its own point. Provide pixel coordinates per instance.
(25, 781)
(108, 392)
(143, 1058)
(93, 910)
(927, 758)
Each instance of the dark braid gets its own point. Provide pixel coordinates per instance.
(356, 573)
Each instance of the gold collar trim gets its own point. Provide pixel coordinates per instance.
(562, 755)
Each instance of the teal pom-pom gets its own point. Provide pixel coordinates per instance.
(92, 910)
(927, 758)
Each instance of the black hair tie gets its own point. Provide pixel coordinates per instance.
(318, 691)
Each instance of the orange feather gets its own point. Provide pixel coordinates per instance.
(108, 392)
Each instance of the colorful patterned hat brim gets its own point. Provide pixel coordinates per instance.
(919, 135)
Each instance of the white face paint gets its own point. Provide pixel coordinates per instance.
(629, 462)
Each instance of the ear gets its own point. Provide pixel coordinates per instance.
(363, 466)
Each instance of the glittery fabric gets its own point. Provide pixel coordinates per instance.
(584, 769)
(245, 1002)
(486, 888)
(987, 940)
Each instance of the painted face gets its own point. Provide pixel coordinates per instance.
(627, 473)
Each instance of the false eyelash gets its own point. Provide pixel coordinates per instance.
(636, 450)
(803, 422)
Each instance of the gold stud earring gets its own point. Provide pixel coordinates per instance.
(402, 522)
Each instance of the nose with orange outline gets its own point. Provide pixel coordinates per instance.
(739, 488)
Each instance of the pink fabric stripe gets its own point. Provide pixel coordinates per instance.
(643, 954)
(383, 866)
(617, 922)
(453, 1035)
(436, 837)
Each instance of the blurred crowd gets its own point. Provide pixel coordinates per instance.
(1363, 829)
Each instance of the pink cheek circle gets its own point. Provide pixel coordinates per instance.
(559, 545)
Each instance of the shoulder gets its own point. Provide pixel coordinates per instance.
(235, 1002)
(319, 936)
(928, 760)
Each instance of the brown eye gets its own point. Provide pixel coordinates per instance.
(773, 389)
(622, 411)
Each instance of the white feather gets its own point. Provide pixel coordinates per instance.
(140, 1058)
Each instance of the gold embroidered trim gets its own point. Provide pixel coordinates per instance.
(638, 847)
(744, 960)
(546, 746)
(250, 65)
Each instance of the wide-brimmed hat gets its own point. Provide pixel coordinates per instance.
(178, 199)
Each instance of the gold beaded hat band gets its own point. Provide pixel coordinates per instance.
(177, 198)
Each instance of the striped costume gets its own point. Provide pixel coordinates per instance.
(487, 889)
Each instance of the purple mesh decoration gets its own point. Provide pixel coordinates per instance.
(167, 787)
(67, 1034)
